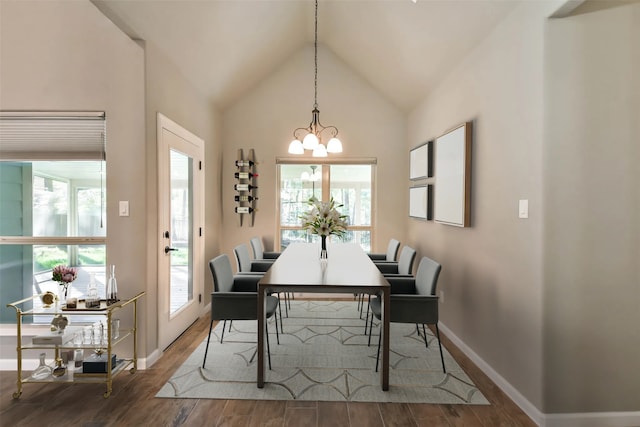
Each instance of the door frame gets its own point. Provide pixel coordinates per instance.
(185, 316)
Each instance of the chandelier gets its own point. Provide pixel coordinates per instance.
(315, 132)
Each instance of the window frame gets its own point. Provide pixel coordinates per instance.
(326, 190)
(37, 136)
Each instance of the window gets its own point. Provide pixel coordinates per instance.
(52, 197)
(349, 183)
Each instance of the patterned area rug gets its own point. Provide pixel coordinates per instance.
(323, 355)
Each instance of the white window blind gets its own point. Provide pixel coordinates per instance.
(48, 135)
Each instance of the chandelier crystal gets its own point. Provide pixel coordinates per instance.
(311, 137)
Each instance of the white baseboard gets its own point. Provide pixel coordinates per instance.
(504, 385)
(594, 419)
(148, 361)
(586, 419)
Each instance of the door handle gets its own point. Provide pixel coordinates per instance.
(168, 249)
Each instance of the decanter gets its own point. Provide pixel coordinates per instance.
(112, 287)
(42, 371)
(92, 300)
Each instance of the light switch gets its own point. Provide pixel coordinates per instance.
(523, 209)
(124, 208)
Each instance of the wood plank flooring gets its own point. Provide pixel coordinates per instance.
(132, 402)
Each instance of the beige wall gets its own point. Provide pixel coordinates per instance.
(592, 211)
(550, 303)
(491, 274)
(169, 93)
(265, 119)
(68, 56)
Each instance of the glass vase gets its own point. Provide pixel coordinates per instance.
(323, 249)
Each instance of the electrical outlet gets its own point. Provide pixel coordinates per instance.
(442, 296)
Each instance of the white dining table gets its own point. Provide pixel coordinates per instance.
(348, 269)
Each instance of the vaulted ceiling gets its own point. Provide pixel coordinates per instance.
(225, 47)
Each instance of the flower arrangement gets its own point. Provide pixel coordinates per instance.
(324, 219)
(64, 276)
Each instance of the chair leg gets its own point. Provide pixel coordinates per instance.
(370, 328)
(206, 349)
(266, 327)
(366, 319)
(280, 310)
(224, 326)
(378, 353)
(366, 322)
(282, 327)
(440, 345)
(286, 307)
(424, 333)
(418, 329)
(276, 322)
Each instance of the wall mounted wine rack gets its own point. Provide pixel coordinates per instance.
(246, 185)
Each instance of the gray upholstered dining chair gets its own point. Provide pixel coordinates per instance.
(413, 300)
(236, 298)
(246, 265)
(260, 255)
(403, 266)
(259, 252)
(390, 255)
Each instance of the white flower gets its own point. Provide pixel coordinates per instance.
(324, 219)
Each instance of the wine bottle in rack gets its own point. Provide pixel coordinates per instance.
(244, 163)
(244, 209)
(244, 187)
(244, 198)
(245, 175)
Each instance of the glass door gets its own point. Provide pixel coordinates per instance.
(181, 221)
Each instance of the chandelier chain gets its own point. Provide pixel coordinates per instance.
(315, 47)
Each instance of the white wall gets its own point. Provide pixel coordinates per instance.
(491, 272)
(265, 119)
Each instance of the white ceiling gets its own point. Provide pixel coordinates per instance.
(225, 47)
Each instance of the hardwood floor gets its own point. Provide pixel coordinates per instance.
(132, 402)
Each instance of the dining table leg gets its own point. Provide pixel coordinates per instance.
(384, 377)
(260, 334)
